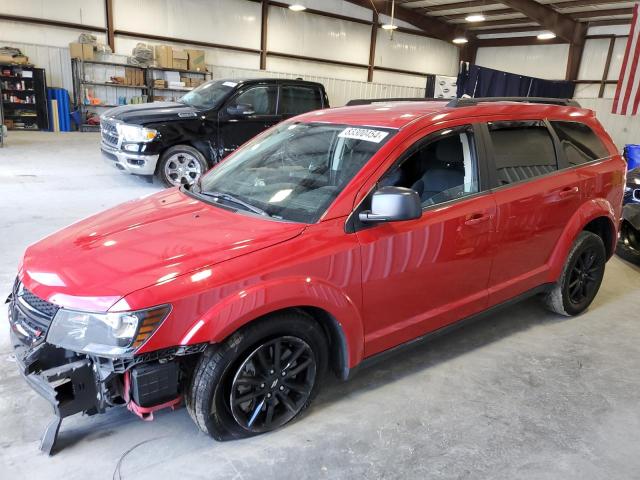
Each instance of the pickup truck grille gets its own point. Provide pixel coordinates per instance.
(109, 133)
(30, 315)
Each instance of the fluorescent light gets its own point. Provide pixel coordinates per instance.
(546, 36)
(475, 17)
(460, 40)
(389, 26)
(296, 7)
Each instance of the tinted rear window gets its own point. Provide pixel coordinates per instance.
(299, 99)
(522, 150)
(579, 143)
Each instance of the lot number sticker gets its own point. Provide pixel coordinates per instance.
(366, 134)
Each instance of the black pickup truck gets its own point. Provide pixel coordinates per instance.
(178, 141)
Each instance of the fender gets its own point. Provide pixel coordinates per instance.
(588, 211)
(241, 307)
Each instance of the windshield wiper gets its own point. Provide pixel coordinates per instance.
(237, 201)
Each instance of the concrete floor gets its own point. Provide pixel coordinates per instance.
(524, 394)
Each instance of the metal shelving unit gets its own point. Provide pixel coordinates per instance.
(23, 95)
(81, 84)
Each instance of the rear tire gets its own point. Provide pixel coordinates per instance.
(628, 246)
(180, 165)
(581, 276)
(251, 383)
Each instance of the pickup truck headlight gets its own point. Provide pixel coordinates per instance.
(136, 133)
(109, 334)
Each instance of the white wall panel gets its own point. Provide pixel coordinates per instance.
(39, 34)
(616, 58)
(610, 91)
(87, 12)
(213, 56)
(340, 91)
(416, 53)
(586, 90)
(305, 68)
(338, 6)
(227, 22)
(609, 30)
(622, 128)
(309, 35)
(392, 78)
(594, 58)
(542, 61)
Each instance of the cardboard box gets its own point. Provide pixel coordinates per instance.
(180, 64)
(87, 51)
(130, 76)
(75, 49)
(81, 50)
(180, 59)
(159, 83)
(20, 59)
(163, 56)
(139, 77)
(196, 60)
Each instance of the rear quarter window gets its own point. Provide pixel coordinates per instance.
(296, 99)
(579, 143)
(522, 150)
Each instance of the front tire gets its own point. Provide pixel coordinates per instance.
(261, 378)
(581, 276)
(181, 165)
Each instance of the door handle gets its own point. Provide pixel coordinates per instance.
(477, 218)
(569, 192)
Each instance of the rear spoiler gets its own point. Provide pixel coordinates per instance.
(469, 102)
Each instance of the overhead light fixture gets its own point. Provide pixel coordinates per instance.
(546, 36)
(460, 40)
(389, 26)
(296, 7)
(475, 17)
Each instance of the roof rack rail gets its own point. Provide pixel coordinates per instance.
(369, 101)
(469, 102)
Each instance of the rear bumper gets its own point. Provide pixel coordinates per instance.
(129, 162)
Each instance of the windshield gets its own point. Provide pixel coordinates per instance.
(209, 94)
(294, 171)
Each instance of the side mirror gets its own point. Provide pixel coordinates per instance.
(393, 204)
(242, 109)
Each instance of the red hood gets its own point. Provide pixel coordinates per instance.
(95, 262)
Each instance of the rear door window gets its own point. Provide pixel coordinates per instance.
(296, 99)
(579, 143)
(522, 150)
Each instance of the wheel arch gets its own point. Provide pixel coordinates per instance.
(327, 305)
(596, 216)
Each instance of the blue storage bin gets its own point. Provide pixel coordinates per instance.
(632, 154)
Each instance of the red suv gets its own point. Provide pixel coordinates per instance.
(324, 242)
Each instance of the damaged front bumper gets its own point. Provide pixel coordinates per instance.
(75, 382)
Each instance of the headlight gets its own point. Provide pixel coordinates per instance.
(135, 133)
(110, 334)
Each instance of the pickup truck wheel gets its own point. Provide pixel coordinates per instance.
(180, 165)
(628, 246)
(259, 379)
(581, 276)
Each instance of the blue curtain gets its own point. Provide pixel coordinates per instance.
(478, 81)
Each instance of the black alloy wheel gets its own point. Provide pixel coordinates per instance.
(273, 384)
(583, 278)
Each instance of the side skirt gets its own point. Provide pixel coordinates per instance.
(382, 356)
